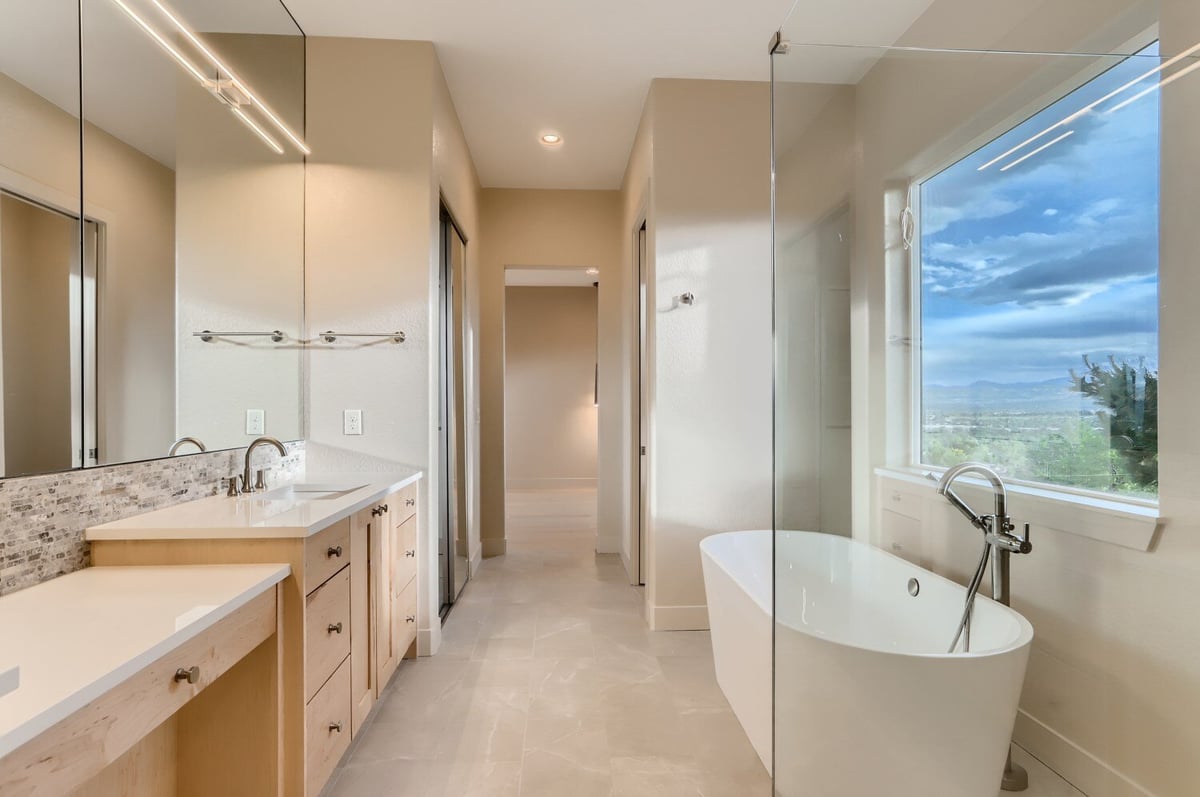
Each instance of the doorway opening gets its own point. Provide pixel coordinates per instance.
(551, 401)
(453, 547)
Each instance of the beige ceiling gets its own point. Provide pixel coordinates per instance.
(582, 67)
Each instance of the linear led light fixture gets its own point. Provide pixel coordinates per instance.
(263, 134)
(1071, 118)
(1042, 148)
(237, 82)
(1155, 87)
(158, 38)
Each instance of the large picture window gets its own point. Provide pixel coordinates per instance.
(1038, 265)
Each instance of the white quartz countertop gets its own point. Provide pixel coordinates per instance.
(278, 513)
(78, 636)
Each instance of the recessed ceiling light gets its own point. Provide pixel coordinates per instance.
(551, 139)
(591, 272)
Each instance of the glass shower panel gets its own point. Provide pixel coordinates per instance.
(968, 250)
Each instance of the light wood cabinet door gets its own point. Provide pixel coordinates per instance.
(362, 633)
(383, 575)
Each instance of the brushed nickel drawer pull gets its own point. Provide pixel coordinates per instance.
(335, 628)
(335, 727)
(190, 674)
(334, 552)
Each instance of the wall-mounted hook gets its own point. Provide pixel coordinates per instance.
(687, 298)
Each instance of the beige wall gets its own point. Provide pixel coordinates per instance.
(133, 196)
(38, 250)
(549, 387)
(522, 227)
(240, 252)
(386, 143)
(710, 436)
(1113, 686)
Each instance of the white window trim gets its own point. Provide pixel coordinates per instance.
(1125, 521)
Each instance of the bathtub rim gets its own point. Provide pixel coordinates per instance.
(1023, 639)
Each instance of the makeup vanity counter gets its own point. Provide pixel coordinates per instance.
(99, 704)
(349, 606)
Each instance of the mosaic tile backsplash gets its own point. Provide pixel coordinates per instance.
(42, 518)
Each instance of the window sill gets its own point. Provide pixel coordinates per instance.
(1127, 524)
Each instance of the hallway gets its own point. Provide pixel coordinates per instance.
(548, 683)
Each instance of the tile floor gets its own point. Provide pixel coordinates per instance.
(548, 683)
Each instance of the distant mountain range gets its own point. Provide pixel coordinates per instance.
(1051, 395)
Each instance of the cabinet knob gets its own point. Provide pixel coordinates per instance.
(385, 508)
(377, 511)
(410, 501)
(191, 674)
(410, 554)
(335, 552)
(335, 628)
(410, 619)
(335, 727)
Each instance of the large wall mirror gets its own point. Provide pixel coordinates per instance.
(168, 304)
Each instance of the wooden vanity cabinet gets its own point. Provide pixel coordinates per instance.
(349, 616)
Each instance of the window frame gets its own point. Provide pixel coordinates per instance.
(915, 310)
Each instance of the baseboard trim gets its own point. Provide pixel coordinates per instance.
(550, 484)
(493, 547)
(677, 618)
(1079, 767)
(476, 562)
(608, 545)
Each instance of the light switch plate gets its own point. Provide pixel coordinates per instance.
(352, 422)
(256, 422)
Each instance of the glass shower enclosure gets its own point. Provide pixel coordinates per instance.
(976, 226)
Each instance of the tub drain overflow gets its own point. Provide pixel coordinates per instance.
(914, 587)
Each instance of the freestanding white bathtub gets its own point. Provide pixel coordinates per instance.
(867, 701)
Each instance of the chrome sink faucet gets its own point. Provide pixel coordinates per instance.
(998, 534)
(247, 485)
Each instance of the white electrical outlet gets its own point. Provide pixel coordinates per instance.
(352, 422)
(256, 422)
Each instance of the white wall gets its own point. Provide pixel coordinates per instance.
(549, 387)
(710, 445)
(386, 142)
(1113, 689)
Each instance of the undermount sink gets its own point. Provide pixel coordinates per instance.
(311, 492)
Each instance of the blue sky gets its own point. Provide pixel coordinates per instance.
(1027, 269)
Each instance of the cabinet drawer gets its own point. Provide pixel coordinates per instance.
(405, 503)
(406, 619)
(325, 553)
(406, 552)
(328, 728)
(84, 743)
(326, 631)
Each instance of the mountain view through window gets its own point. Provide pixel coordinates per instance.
(1039, 293)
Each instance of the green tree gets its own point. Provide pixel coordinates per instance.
(1128, 397)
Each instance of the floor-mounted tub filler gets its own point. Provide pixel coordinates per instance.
(867, 700)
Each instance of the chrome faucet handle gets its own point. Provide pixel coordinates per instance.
(232, 490)
(260, 483)
(1005, 540)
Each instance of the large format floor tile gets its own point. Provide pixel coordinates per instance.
(548, 684)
